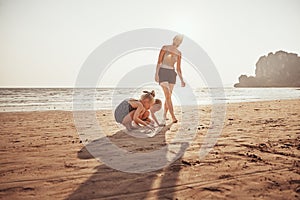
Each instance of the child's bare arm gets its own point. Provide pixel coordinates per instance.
(136, 116)
(154, 117)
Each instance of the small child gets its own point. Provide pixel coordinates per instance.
(154, 108)
(135, 110)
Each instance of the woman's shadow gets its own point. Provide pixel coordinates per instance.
(108, 183)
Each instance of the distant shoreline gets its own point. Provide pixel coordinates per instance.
(176, 106)
(100, 99)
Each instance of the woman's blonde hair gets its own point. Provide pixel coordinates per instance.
(148, 95)
(178, 39)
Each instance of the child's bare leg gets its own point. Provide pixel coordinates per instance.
(145, 115)
(127, 121)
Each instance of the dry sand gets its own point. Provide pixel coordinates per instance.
(257, 156)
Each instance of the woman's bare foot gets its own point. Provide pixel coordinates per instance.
(174, 120)
(165, 117)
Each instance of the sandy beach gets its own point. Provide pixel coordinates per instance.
(257, 156)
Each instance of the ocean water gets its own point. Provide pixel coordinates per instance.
(34, 99)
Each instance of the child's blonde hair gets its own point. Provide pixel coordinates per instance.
(148, 95)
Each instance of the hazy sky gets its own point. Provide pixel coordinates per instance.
(44, 43)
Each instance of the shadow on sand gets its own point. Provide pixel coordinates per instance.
(108, 183)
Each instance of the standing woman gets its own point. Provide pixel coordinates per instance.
(165, 72)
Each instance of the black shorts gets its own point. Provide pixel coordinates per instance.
(123, 109)
(167, 75)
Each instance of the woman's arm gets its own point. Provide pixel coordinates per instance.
(160, 59)
(178, 69)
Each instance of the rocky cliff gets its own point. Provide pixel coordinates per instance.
(281, 69)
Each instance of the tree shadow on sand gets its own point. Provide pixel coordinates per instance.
(108, 183)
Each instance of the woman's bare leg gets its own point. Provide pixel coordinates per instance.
(165, 84)
(168, 92)
(165, 110)
(171, 87)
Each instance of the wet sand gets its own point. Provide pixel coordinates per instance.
(257, 156)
